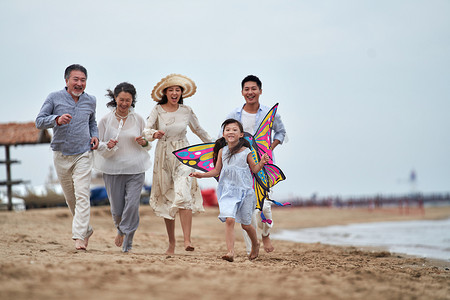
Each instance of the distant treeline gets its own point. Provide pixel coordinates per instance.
(377, 201)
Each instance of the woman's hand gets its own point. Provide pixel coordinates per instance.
(111, 144)
(159, 134)
(141, 141)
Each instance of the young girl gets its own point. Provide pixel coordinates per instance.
(237, 200)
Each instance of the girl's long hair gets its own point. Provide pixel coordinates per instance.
(220, 143)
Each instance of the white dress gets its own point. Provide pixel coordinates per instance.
(237, 198)
(172, 188)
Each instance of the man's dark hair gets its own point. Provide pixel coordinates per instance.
(251, 78)
(74, 67)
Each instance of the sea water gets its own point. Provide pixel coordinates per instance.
(429, 239)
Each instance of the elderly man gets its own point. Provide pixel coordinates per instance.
(71, 114)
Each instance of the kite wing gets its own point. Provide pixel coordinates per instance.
(260, 143)
(199, 156)
(265, 179)
(274, 174)
(262, 139)
(260, 191)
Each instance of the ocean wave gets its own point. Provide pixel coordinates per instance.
(422, 238)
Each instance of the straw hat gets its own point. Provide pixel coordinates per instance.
(185, 82)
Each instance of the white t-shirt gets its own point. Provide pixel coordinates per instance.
(248, 122)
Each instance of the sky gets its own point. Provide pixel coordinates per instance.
(362, 86)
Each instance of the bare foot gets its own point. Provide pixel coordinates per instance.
(227, 257)
(86, 239)
(267, 244)
(118, 240)
(170, 250)
(254, 253)
(80, 245)
(188, 246)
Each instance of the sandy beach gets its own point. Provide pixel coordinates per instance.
(38, 261)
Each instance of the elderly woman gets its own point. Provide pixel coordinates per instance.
(173, 191)
(123, 158)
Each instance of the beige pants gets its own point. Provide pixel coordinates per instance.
(264, 228)
(74, 174)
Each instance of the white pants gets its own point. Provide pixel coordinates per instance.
(74, 174)
(258, 224)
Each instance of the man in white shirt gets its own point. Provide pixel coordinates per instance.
(251, 115)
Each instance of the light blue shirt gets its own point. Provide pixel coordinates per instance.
(75, 137)
(278, 126)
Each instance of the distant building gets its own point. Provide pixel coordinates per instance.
(14, 134)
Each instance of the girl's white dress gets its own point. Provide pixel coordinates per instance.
(237, 198)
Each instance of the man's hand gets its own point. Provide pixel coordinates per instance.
(64, 119)
(94, 143)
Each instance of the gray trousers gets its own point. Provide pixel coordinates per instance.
(124, 193)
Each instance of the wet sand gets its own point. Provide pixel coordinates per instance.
(38, 260)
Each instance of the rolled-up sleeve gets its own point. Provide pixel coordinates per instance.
(46, 117)
(278, 129)
(92, 122)
(151, 126)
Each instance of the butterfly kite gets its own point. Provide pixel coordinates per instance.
(200, 157)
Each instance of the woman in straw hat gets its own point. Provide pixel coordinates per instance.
(173, 191)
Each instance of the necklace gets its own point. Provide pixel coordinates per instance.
(119, 116)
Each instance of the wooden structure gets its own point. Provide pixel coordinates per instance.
(15, 134)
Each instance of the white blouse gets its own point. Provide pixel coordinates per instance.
(128, 157)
